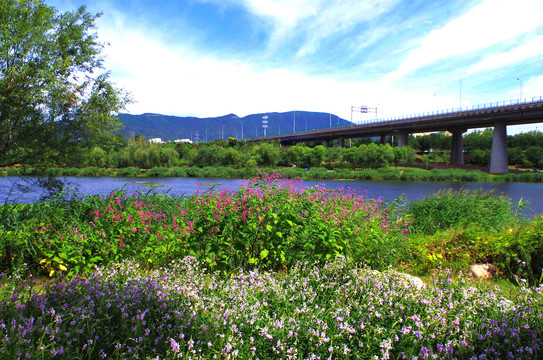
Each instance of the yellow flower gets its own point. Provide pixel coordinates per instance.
(62, 267)
(42, 261)
(51, 273)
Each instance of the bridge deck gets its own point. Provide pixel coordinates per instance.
(477, 117)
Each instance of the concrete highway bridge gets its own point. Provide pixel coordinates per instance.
(458, 121)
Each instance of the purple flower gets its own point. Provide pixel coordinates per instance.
(175, 346)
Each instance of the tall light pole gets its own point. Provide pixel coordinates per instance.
(294, 125)
(330, 119)
(460, 93)
(265, 123)
(243, 122)
(520, 89)
(222, 132)
(206, 134)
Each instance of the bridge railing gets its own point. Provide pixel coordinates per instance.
(497, 104)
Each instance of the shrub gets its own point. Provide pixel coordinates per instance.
(53, 172)
(69, 172)
(157, 172)
(12, 172)
(453, 209)
(90, 171)
(128, 172)
(520, 251)
(177, 171)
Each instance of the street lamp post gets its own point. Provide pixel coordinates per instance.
(222, 132)
(243, 122)
(520, 89)
(206, 134)
(265, 123)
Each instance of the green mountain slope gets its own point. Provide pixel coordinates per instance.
(210, 129)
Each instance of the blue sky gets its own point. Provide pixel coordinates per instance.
(214, 57)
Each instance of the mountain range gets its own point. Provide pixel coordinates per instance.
(170, 128)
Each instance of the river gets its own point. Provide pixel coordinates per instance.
(388, 190)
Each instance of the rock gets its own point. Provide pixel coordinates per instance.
(483, 271)
(413, 280)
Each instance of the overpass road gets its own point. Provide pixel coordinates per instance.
(496, 115)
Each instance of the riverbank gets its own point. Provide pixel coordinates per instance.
(435, 172)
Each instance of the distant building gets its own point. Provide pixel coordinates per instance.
(183, 141)
(156, 141)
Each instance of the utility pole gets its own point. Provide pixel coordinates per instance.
(265, 123)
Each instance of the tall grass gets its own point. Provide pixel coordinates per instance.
(450, 209)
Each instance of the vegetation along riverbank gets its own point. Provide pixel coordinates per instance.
(273, 270)
(426, 159)
(314, 173)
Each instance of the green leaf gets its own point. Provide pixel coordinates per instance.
(269, 227)
(264, 253)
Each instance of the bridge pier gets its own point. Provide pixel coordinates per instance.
(403, 139)
(498, 155)
(457, 149)
(383, 139)
(341, 142)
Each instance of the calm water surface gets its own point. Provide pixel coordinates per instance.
(388, 190)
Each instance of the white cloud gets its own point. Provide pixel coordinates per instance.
(487, 24)
(314, 19)
(177, 80)
(522, 52)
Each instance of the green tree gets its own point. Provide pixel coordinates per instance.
(232, 157)
(295, 155)
(333, 154)
(480, 157)
(516, 156)
(54, 102)
(267, 154)
(399, 155)
(352, 156)
(478, 140)
(317, 155)
(534, 154)
(209, 155)
(97, 157)
(168, 156)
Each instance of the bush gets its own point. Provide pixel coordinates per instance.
(453, 209)
(69, 172)
(157, 172)
(269, 223)
(177, 171)
(53, 172)
(90, 171)
(520, 251)
(12, 172)
(106, 172)
(194, 171)
(128, 172)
